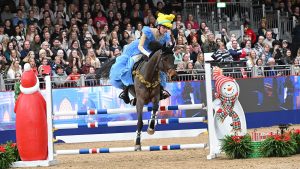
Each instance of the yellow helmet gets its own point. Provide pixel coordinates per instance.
(165, 20)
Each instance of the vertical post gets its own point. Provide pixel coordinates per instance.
(242, 32)
(82, 80)
(251, 13)
(253, 72)
(184, 8)
(264, 10)
(212, 21)
(293, 70)
(278, 25)
(198, 14)
(219, 16)
(49, 118)
(285, 26)
(214, 147)
(294, 22)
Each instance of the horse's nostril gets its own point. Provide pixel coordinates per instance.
(174, 78)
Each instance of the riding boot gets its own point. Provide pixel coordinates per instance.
(124, 95)
(163, 93)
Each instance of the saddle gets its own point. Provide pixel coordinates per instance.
(137, 65)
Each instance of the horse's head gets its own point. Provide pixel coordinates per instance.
(167, 62)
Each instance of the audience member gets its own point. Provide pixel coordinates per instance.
(269, 39)
(199, 64)
(91, 77)
(259, 46)
(178, 54)
(14, 68)
(236, 53)
(222, 55)
(74, 77)
(210, 45)
(59, 77)
(248, 31)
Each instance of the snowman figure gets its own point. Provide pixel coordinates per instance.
(229, 116)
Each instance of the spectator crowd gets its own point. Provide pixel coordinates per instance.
(68, 38)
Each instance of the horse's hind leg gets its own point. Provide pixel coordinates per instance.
(152, 122)
(140, 124)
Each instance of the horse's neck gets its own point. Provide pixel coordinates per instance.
(151, 67)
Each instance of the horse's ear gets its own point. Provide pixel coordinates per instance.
(172, 46)
(168, 49)
(155, 46)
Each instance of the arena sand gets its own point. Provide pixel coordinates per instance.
(177, 159)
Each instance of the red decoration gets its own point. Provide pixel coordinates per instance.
(31, 119)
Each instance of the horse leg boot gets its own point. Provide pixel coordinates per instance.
(140, 124)
(164, 93)
(124, 95)
(152, 122)
(138, 146)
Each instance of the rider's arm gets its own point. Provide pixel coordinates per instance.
(141, 45)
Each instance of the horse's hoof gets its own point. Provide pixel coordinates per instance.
(138, 148)
(150, 131)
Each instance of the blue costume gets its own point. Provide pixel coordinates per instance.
(121, 72)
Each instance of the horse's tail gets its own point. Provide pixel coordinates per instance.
(103, 72)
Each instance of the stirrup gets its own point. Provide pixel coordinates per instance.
(125, 97)
(133, 102)
(164, 94)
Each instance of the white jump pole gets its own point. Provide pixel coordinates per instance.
(130, 149)
(127, 123)
(214, 147)
(49, 118)
(128, 110)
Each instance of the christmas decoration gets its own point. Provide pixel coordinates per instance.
(228, 113)
(237, 146)
(8, 155)
(296, 136)
(278, 145)
(31, 121)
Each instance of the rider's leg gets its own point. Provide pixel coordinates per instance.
(163, 93)
(137, 57)
(124, 95)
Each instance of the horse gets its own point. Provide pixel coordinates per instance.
(146, 88)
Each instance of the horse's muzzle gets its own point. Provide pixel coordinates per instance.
(172, 75)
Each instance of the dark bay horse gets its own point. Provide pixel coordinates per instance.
(146, 88)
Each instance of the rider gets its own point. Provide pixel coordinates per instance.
(121, 71)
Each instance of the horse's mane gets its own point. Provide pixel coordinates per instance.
(155, 46)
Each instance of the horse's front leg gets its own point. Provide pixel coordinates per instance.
(139, 109)
(152, 121)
